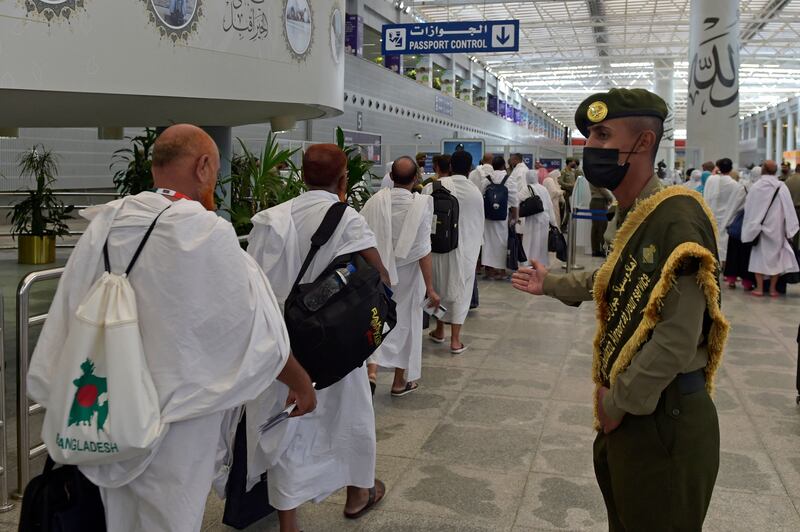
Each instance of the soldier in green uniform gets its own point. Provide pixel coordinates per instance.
(661, 332)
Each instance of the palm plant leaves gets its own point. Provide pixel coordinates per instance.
(41, 212)
(256, 184)
(136, 174)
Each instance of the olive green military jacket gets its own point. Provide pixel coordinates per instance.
(676, 344)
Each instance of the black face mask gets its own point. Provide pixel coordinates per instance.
(602, 168)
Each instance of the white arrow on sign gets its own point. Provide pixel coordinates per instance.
(503, 36)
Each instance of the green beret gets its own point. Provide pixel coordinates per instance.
(618, 103)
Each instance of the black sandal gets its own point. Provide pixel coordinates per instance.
(371, 501)
(410, 387)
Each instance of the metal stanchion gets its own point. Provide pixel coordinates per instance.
(24, 410)
(572, 242)
(5, 505)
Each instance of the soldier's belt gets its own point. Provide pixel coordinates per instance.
(689, 383)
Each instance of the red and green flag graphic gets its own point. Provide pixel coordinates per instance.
(86, 402)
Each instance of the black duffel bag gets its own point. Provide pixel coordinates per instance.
(242, 507)
(531, 206)
(61, 499)
(557, 243)
(337, 337)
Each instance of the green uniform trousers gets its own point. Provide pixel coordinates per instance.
(657, 472)
(598, 226)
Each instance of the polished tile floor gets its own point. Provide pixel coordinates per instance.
(499, 438)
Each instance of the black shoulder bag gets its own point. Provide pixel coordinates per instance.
(333, 337)
(531, 206)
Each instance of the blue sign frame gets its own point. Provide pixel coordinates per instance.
(451, 37)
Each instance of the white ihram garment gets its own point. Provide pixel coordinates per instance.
(773, 255)
(480, 173)
(725, 197)
(495, 232)
(309, 457)
(213, 338)
(401, 222)
(454, 272)
(536, 228)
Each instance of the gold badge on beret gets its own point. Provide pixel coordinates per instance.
(597, 112)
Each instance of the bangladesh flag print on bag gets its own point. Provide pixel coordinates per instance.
(104, 407)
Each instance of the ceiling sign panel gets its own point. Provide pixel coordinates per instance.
(451, 37)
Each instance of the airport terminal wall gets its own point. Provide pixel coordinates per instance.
(393, 106)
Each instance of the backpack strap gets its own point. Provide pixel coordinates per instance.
(138, 249)
(436, 186)
(777, 189)
(503, 182)
(322, 235)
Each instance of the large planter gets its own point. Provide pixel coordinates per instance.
(36, 249)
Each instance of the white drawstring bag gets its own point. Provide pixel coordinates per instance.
(103, 407)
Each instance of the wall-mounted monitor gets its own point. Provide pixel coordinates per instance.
(475, 148)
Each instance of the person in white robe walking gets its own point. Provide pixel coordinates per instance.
(454, 272)
(772, 255)
(536, 228)
(519, 170)
(212, 332)
(556, 194)
(401, 222)
(495, 232)
(725, 198)
(309, 458)
(482, 171)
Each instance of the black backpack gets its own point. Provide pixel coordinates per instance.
(495, 200)
(338, 337)
(444, 238)
(531, 206)
(61, 499)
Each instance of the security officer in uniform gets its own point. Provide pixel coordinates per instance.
(660, 328)
(567, 179)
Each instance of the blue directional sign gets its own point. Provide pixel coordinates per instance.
(451, 37)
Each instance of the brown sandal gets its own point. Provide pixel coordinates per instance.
(371, 501)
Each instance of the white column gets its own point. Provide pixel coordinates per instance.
(665, 87)
(779, 140)
(713, 104)
(424, 69)
(790, 133)
(770, 137)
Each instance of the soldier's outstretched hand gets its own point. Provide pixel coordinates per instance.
(531, 279)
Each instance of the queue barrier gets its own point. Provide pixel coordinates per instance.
(26, 453)
(5, 504)
(598, 215)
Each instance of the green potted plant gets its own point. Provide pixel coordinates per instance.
(38, 219)
(136, 174)
(359, 173)
(257, 184)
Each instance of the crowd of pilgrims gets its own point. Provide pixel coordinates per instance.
(211, 314)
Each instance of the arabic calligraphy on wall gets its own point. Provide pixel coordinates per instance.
(337, 33)
(51, 9)
(246, 18)
(175, 19)
(713, 72)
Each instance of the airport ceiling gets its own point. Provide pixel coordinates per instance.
(572, 48)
